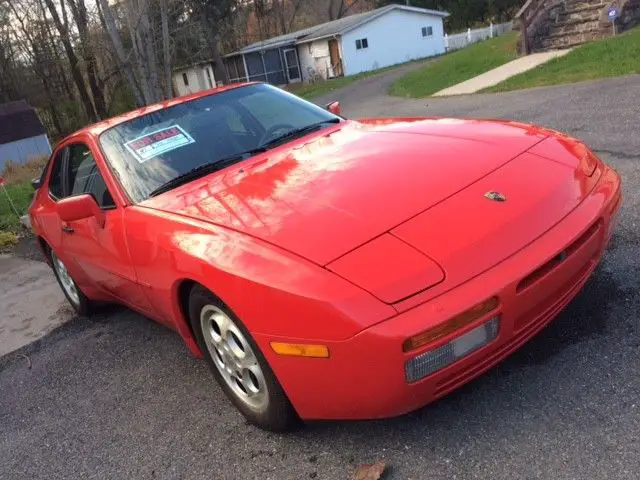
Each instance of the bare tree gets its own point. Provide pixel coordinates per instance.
(79, 12)
(38, 50)
(286, 12)
(51, 39)
(62, 25)
(340, 8)
(213, 17)
(123, 58)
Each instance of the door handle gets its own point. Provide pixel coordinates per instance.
(67, 229)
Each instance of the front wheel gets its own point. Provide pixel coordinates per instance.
(238, 364)
(78, 300)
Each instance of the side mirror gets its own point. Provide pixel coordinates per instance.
(35, 183)
(79, 207)
(334, 107)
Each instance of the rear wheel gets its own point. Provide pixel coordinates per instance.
(237, 363)
(78, 300)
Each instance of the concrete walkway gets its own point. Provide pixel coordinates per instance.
(31, 302)
(500, 74)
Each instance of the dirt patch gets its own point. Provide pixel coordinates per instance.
(27, 247)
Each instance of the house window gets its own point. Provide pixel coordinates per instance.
(185, 79)
(362, 43)
(427, 31)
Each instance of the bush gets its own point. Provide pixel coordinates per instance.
(7, 239)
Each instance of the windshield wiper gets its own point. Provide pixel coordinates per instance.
(205, 169)
(298, 132)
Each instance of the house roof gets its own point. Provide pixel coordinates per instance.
(329, 29)
(187, 66)
(17, 121)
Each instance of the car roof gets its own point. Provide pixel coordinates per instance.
(97, 128)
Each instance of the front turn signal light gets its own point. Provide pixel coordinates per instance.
(300, 350)
(451, 325)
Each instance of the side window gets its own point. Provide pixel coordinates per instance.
(84, 176)
(56, 184)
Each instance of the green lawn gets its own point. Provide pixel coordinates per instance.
(456, 67)
(21, 194)
(610, 57)
(311, 90)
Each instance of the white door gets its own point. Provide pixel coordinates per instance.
(291, 65)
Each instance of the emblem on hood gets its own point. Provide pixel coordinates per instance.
(495, 196)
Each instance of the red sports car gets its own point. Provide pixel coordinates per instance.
(325, 268)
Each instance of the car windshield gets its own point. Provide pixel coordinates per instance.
(156, 150)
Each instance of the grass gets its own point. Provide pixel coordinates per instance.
(610, 57)
(21, 195)
(18, 186)
(311, 90)
(456, 67)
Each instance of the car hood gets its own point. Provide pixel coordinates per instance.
(324, 195)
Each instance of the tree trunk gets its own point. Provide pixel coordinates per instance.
(280, 8)
(63, 80)
(79, 12)
(114, 35)
(137, 48)
(212, 38)
(166, 51)
(73, 60)
(46, 85)
(148, 50)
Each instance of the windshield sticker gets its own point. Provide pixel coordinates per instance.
(156, 143)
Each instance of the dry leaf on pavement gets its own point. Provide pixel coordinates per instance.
(369, 472)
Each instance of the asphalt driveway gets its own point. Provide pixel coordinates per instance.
(118, 396)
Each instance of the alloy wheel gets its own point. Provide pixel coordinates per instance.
(68, 285)
(233, 357)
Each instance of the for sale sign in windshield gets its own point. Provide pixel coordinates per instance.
(158, 142)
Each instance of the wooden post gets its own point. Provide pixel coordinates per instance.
(524, 40)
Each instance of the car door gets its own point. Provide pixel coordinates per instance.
(44, 213)
(98, 253)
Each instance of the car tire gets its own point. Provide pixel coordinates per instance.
(78, 300)
(238, 364)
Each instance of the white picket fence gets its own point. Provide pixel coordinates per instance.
(464, 39)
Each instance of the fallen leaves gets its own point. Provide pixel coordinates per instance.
(369, 472)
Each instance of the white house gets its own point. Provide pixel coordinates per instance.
(193, 78)
(357, 43)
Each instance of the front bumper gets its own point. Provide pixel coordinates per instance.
(364, 377)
